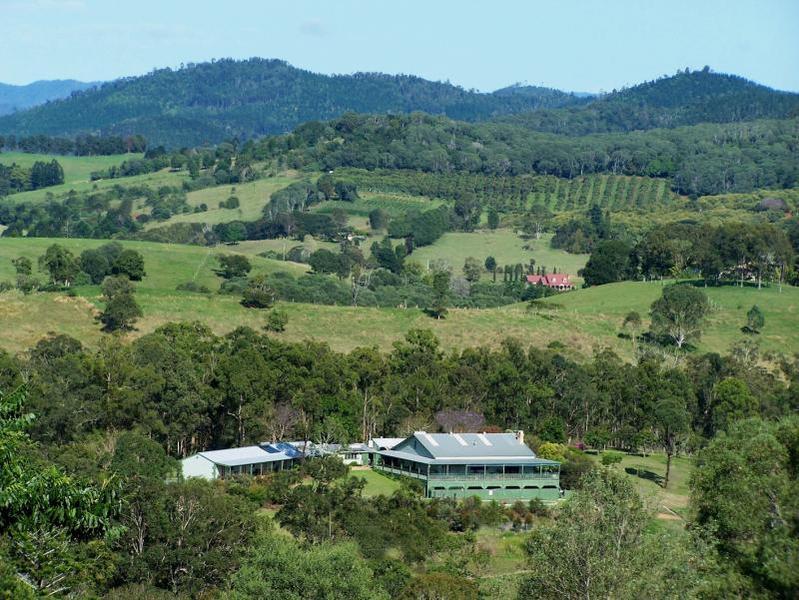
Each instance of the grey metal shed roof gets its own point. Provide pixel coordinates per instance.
(465, 448)
(472, 445)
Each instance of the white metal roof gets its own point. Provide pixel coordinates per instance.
(385, 442)
(248, 455)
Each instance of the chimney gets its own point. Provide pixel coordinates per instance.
(520, 436)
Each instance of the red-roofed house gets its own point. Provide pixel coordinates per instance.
(556, 281)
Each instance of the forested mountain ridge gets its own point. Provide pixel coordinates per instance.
(21, 97)
(208, 102)
(687, 98)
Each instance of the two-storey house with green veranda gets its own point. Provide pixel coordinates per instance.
(491, 466)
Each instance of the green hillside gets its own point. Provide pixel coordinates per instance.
(253, 196)
(687, 98)
(504, 245)
(210, 102)
(588, 319)
(77, 170)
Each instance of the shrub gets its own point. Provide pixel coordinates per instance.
(237, 285)
(258, 293)
(276, 320)
(552, 451)
(192, 286)
(610, 458)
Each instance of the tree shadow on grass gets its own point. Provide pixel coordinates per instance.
(644, 473)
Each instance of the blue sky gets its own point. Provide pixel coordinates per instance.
(569, 44)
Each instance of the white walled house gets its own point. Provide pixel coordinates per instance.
(249, 460)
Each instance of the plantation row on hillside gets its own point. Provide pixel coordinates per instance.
(517, 193)
(698, 160)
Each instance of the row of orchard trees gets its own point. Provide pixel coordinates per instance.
(698, 160)
(515, 192)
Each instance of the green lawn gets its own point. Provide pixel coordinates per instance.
(504, 245)
(377, 484)
(647, 474)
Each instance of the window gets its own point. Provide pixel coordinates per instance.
(512, 469)
(476, 470)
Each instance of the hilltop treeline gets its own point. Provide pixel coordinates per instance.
(698, 160)
(210, 102)
(687, 98)
(81, 145)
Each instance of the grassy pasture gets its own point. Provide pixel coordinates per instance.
(394, 204)
(588, 318)
(77, 170)
(602, 309)
(254, 247)
(504, 245)
(252, 196)
(154, 180)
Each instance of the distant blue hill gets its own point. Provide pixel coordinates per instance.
(14, 98)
